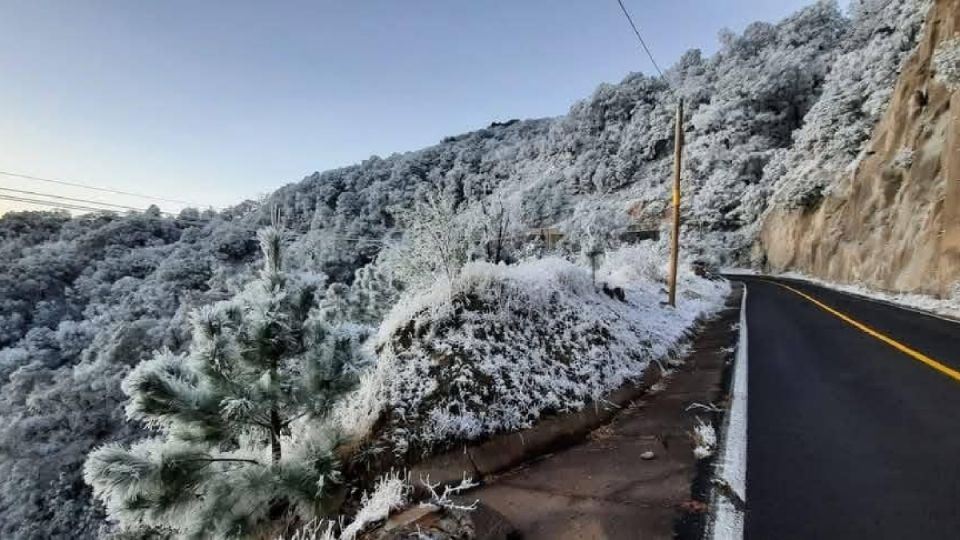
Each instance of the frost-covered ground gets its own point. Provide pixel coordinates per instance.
(504, 344)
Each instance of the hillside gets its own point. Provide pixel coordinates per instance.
(772, 119)
(891, 219)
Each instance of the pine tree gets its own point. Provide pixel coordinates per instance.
(376, 292)
(242, 438)
(336, 304)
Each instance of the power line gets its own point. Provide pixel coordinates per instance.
(53, 204)
(85, 208)
(95, 188)
(642, 42)
(61, 197)
(187, 221)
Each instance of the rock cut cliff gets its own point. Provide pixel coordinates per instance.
(892, 221)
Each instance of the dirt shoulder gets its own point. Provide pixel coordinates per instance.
(603, 487)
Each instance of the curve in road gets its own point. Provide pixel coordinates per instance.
(849, 436)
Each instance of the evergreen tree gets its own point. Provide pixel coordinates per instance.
(362, 305)
(336, 304)
(241, 416)
(375, 292)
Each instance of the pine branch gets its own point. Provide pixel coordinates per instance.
(214, 460)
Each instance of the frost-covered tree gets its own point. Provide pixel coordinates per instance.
(374, 291)
(855, 95)
(496, 230)
(240, 415)
(337, 304)
(436, 244)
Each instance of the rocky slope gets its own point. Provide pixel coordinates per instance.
(892, 220)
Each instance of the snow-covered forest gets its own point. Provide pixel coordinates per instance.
(388, 248)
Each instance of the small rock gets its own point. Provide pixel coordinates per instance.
(648, 455)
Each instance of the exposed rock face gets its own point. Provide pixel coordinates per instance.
(894, 222)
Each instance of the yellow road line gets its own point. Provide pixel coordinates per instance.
(912, 353)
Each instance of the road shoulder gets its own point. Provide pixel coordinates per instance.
(636, 476)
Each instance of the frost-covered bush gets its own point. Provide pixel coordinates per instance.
(440, 237)
(241, 439)
(946, 63)
(501, 345)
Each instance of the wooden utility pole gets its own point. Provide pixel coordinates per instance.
(675, 239)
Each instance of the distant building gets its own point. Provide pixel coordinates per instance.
(550, 236)
(639, 232)
(646, 220)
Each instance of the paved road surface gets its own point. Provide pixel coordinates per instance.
(849, 437)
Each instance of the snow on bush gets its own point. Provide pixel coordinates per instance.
(502, 345)
(946, 63)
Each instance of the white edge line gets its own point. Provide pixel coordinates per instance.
(726, 520)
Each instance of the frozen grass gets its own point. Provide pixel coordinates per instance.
(391, 493)
(705, 439)
(504, 344)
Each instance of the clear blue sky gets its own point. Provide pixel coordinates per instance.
(215, 102)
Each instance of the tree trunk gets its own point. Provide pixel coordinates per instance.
(275, 435)
(275, 425)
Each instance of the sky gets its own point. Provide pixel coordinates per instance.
(215, 102)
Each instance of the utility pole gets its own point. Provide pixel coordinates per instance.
(675, 239)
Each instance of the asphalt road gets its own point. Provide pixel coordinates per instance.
(849, 437)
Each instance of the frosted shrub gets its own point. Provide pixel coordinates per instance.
(633, 265)
(436, 242)
(946, 63)
(442, 235)
(241, 440)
